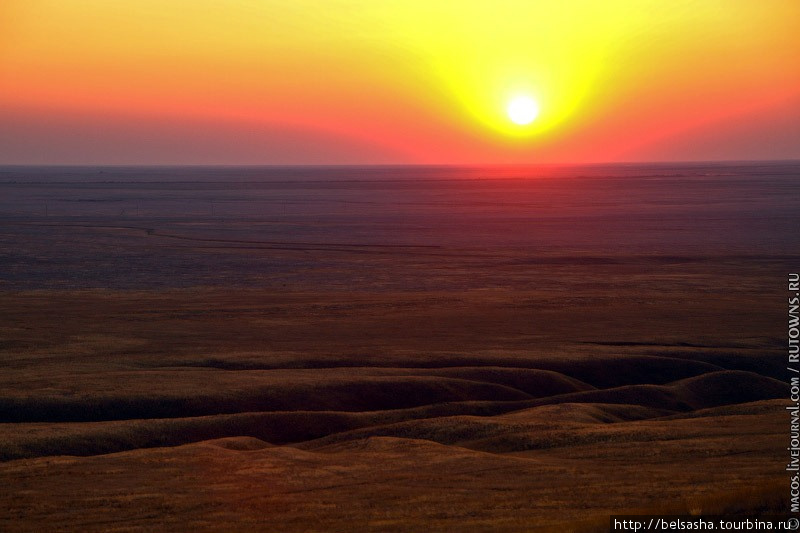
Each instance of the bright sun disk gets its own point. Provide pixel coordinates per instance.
(522, 110)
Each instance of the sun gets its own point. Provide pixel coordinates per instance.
(522, 110)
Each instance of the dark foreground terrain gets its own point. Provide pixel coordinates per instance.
(188, 375)
(472, 410)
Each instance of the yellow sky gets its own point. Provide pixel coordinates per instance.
(412, 81)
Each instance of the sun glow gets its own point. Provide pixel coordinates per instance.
(418, 81)
(522, 110)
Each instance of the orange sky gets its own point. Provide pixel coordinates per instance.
(413, 81)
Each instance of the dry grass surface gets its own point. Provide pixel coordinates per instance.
(545, 406)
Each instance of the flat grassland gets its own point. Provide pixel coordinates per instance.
(641, 385)
(392, 355)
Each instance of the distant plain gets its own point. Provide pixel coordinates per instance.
(392, 348)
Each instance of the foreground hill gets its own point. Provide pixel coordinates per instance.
(210, 410)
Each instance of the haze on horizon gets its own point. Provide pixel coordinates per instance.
(416, 82)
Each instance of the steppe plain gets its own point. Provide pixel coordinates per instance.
(216, 372)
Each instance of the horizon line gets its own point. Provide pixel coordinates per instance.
(388, 165)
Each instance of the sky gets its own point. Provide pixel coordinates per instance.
(397, 82)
